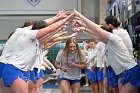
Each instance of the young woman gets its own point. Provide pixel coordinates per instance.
(7, 52)
(70, 61)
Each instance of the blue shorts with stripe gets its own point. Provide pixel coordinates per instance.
(11, 73)
(34, 75)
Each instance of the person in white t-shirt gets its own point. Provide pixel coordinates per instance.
(7, 52)
(118, 55)
(98, 67)
(91, 73)
(23, 55)
(112, 24)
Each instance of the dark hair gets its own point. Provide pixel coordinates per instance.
(112, 20)
(28, 23)
(108, 30)
(39, 25)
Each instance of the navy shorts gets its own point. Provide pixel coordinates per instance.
(71, 81)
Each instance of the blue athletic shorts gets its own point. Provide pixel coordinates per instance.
(71, 81)
(11, 73)
(1, 68)
(100, 75)
(27, 74)
(34, 75)
(92, 75)
(131, 76)
(112, 78)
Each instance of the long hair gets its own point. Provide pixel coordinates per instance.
(66, 48)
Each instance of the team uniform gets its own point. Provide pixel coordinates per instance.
(97, 74)
(8, 48)
(111, 76)
(91, 74)
(122, 61)
(22, 55)
(37, 71)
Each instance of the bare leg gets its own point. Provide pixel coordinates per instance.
(119, 84)
(128, 88)
(37, 86)
(101, 86)
(19, 86)
(76, 88)
(65, 86)
(94, 88)
(4, 89)
(30, 86)
(116, 90)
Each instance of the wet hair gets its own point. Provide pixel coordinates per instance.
(39, 25)
(112, 20)
(28, 23)
(66, 48)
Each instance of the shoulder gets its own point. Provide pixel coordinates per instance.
(61, 52)
(114, 38)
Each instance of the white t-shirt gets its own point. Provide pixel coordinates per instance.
(39, 58)
(24, 52)
(118, 56)
(98, 54)
(88, 56)
(126, 39)
(10, 45)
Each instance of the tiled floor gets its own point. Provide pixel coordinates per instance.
(58, 90)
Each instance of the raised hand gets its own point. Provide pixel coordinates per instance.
(78, 29)
(76, 13)
(62, 14)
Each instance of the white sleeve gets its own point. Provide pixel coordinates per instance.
(31, 34)
(92, 57)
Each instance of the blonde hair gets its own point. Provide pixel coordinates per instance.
(66, 48)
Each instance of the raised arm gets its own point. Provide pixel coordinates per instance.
(52, 27)
(102, 34)
(61, 14)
